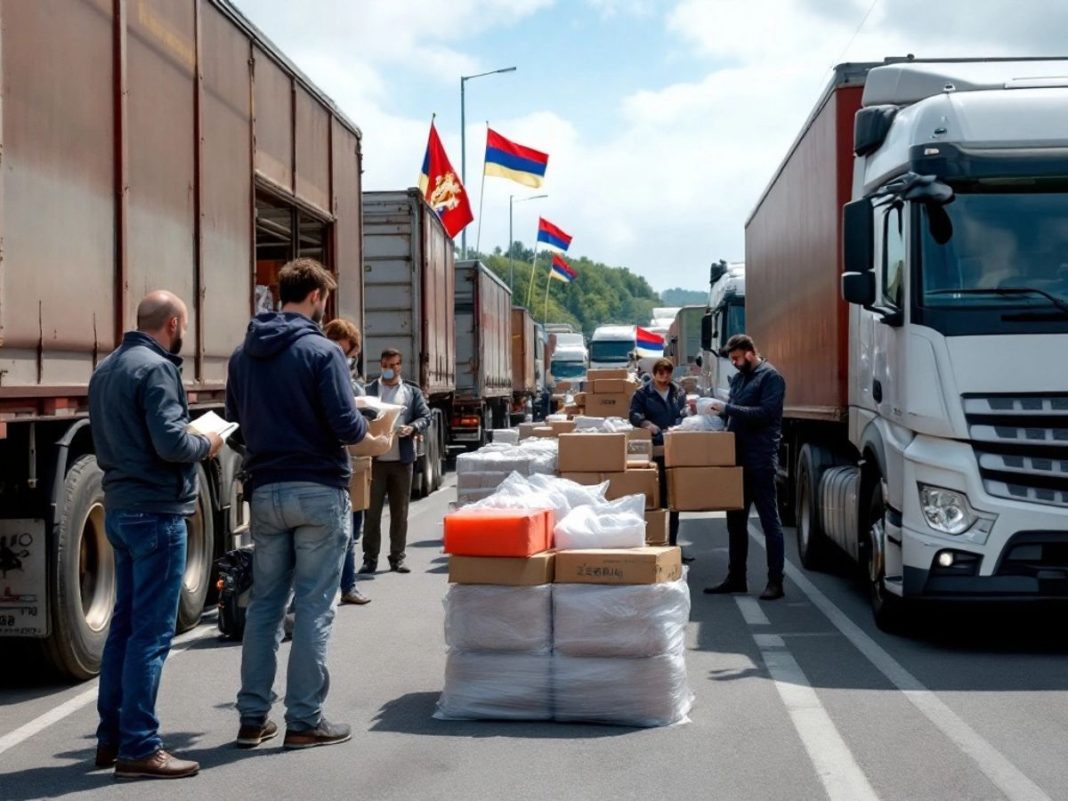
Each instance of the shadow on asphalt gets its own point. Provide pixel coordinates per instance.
(425, 544)
(413, 714)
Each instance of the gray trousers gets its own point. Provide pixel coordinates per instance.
(395, 480)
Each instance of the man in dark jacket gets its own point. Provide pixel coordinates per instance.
(140, 424)
(656, 407)
(391, 473)
(754, 414)
(290, 390)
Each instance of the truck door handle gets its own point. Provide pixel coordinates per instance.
(877, 391)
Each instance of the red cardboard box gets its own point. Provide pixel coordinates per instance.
(498, 532)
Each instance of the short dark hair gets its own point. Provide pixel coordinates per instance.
(390, 353)
(663, 364)
(300, 277)
(340, 328)
(741, 342)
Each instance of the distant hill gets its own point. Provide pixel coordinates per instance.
(683, 297)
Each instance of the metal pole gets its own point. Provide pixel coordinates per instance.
(463, 162)
(511, 267)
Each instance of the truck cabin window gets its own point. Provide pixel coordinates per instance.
(566, 370)
(611, 351)
(894, 248)
(1006, 236)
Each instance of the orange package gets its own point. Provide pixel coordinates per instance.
(498, 532)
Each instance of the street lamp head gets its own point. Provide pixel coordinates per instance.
(491, 72)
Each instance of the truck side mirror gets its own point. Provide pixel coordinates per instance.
(859, 288)
(858, 236)
(706, 331)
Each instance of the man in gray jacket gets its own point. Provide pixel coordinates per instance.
(140, 424)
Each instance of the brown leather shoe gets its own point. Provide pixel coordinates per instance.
(355, 597)
(159, 765)
(106, 755)
(249, 736)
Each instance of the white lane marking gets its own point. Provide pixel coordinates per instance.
(752, 614)
(836, 767)
(37, 725)
(994, 765)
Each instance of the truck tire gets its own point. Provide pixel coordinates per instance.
(428, 467)
(812, 542)
(418, 491)
(83, 575)
(888, 609)
(435, 462)
(199, 559)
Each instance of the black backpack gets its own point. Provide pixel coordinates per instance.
(235, 590)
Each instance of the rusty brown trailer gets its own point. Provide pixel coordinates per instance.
(524, 381)
(156, 144)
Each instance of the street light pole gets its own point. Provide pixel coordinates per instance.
(463, 141)
(511, 268)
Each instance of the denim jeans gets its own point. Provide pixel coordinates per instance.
(299, 534)
(759, 489)
(149, 563)
(348, 567)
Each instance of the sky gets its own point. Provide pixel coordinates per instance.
(664, 120)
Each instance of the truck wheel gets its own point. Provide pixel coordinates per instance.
(417, 478)
(888, 609)
(435, 463)
(83, 575)
(811, 541)
(200, 558)
(428, 468)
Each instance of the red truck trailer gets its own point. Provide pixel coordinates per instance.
(158, 144)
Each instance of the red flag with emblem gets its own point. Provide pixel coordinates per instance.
(442, 188)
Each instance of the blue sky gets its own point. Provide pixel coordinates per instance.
(663, 119)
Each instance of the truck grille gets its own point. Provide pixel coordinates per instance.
(1021, 444)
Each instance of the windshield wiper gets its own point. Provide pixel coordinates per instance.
(1007, 291)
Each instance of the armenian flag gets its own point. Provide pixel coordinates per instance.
(507, 159)
(647, 343)
(442, 188)
(552, 237)
(561, 270)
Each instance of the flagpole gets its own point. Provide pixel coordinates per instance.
(533, 269)
(481, 197)
(548, 279)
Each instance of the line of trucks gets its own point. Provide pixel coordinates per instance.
(906, 270)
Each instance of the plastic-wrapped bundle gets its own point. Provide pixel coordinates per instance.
(480, 617)
(607, 425)
(615, 524)
(701, 422)
(543, 492)
(496, 686)
(626, 692)
(506, 436)
(628, 620)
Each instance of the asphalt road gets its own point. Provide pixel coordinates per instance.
(798, 699)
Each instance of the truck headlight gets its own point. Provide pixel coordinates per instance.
(946, 510)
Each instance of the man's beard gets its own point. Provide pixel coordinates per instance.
(746, 367)
(176, 346)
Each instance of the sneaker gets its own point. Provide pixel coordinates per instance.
(355, 597)
(325, 733)
(250, 735)
(399, 567)
(106, 755)
(159, 765)
(368, 567)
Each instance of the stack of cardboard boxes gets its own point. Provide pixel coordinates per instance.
(701, 471)
(608, 393)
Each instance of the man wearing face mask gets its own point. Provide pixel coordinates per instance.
(391, 473)
(754, 413)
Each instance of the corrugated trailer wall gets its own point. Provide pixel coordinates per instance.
(136, 134)
(495, 334)
(794, 308)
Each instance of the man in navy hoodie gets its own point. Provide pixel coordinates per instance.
(289, 389)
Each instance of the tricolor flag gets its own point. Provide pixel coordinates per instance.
(506, 159)
(442, 188)
(552, 237)
(561, 270)
(647, 343)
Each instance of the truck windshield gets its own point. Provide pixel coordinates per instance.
(1008, 240)
(735, 319)
(611, 352)
(568, 370)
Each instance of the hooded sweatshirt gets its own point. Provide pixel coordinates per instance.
(289, 389)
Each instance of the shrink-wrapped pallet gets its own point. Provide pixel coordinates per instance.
(625, 692)
(496, 686)
(480, 617)
(628, 620)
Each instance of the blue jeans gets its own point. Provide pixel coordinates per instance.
(348, 567)
(149, 563)
(299, 533)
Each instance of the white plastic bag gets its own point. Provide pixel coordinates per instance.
(701, 422)
(602, 526)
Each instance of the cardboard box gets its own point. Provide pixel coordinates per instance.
(617, 405)
(614, 386)
(579, 398)
(543, 431)
(360, 483)
(606, 374)
(498, 532)
(644, 481)
(656, 527)
(562, 426)
(698, 449)
(648, 565)
(506, 570)
(574, 410)
(562, 386)
(643, 434)
(704, 489)
(527, 429)
(586, 479)
(592, 453)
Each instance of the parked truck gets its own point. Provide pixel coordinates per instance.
(483, 355)
(724, 317)
(612, 346)
(133, 161)
(525, 373)
(410, 282)
(926, 421)
(683, 341)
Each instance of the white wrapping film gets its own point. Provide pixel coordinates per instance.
(615, 524)
(626, 692)
(506, 436)
(543, 492)
(481, 617)
(605, 425)
(701, 422)
(496, 686)
(627, 620)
